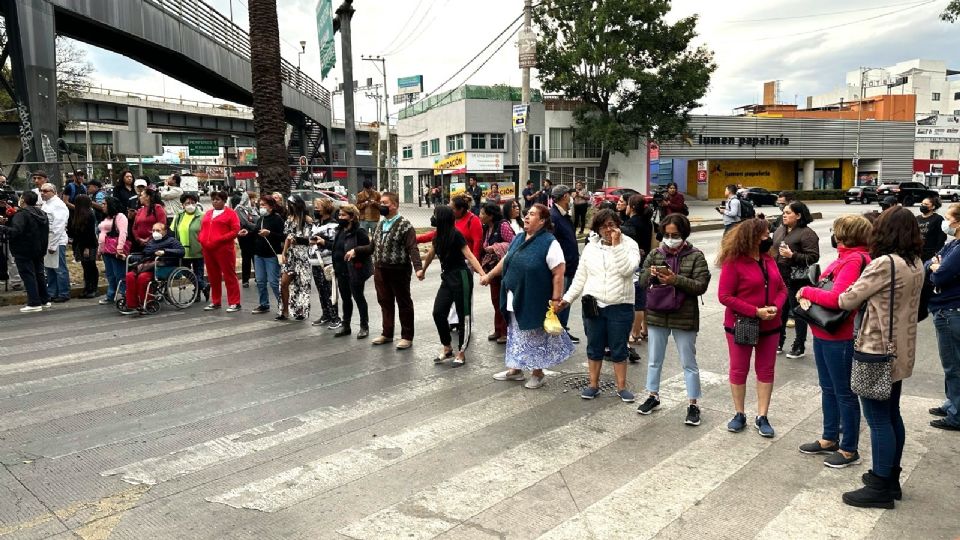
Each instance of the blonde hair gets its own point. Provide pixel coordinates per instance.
(852, 230)
(351, 211)
(325, 206)
(953, 211)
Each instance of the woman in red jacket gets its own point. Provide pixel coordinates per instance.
(834, 352)
(151, 212)
(218, 230)
(751, 288)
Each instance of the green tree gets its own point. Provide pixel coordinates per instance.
(634, 73)
(952, 11)
(268, 120)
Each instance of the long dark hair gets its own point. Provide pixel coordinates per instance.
(154, 196)
(507, 207)
(896, 232)
(114, 206)
(802, 212)
(496, 216)
(297, 210)
(446, 230)
(82, 213)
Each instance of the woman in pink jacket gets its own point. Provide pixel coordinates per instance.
(752, 290)
(833, 352)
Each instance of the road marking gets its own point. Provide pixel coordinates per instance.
(99, 517)
(642, 507)
(97, 338)
(317, 477)
(44, 330)
(442, 507)
(819, 507)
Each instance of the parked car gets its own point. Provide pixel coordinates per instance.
(308, 195)
(760, 196)
(906, 193)
(613, 194)
(951, 192)
(861, 194)
(335, 196)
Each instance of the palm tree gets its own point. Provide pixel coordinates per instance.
(266, 80)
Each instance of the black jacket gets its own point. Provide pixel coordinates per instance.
(85, 236)
(567, 237)
(27, 233)
(361, 267)
(272, 245)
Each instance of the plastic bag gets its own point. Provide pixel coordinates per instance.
(551, 324)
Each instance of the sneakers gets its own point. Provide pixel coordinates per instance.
(626, 396)
(837, 460)
(693, 415)
(322, 321)
(633, 355)
(574, 339)
(535, 382)
(937, 411)
(590, 392)
(31, 309)
(737, 423)
(507, 376)
(815, 448)
(364, 332)
(764, 427)
(211, 307)
(335, 324)
(233, 308)
(796, 352)
(779, 350)
(105, 301)
(259, 310)
(651, 404)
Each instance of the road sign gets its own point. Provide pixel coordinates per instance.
(203, 148)
(328, 49)
(701, 177)
(702, 165)
(410, 85)
(520, 115)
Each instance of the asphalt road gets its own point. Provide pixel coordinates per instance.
(198, 425)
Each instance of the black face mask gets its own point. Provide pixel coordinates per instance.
(765, 245)
(433, 221)
(343, 223)
(833, 241)
(384, 210)
(924, 209)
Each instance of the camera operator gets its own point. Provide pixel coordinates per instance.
(27, 232)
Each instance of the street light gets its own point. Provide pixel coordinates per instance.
(303, 50)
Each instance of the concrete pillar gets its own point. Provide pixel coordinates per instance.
(32, 39)
(808, 168)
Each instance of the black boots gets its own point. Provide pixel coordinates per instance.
(894, 485)
(877, 492)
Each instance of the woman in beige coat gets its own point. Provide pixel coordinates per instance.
(896, 247)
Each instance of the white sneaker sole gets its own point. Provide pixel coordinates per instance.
(657, 406)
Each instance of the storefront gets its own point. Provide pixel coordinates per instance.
(785, 154)
(454, 171)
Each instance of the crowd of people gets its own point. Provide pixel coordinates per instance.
(637, 280)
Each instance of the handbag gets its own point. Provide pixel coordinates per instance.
(871, 375)
(112, 240)
(801, 276)
(665, 298)
(590, 307)
(551, 324)
(822, 317)
(746, 330)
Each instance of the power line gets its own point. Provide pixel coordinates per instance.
(415, 35)
(872, 8)
(404, 27)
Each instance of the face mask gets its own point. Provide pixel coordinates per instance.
(433, 221)
(343, 223)
(781, 206)
(924, 209)
(264, 211)
(672, 243)
(833, 241)
(157, 236)
(947, 229)
(189, 208)
(765, 245)
(384, 210)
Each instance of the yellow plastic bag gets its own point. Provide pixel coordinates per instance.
(551, 324)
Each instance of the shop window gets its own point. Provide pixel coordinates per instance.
(478, 141)
(434, 147)
(424, 149)
(936, 153)
(956, 95)
(564, 145)
(408, 152)
(454, 143)
(935, 96)
(497, 141)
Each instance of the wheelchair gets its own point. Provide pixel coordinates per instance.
(171, 283)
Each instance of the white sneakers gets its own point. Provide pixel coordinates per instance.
(533, 382)
(31, 309)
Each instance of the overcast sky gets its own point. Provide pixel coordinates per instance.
(809, 46)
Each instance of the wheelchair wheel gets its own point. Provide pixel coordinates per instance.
(120, 297)
(181, 289)
(153, 306)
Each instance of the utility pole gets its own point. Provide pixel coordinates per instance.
(386, 115)
(376, 97)
(856, 153)
(528, 53)
(344, 15)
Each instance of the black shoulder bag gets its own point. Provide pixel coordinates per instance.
(746, 330)
(871, 376)
(821, 317)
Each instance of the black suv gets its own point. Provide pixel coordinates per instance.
(861, 194)
(907, 193)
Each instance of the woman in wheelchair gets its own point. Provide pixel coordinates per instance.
(163, 249)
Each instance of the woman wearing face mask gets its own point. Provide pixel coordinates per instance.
(677, 264)
(322, 235)
(269, 243)
(944, 307)
(186, 228)
(218, 232)
(161, 245)
(295, 274)
(751, 288)
(247, 211)
(351, 276)
(931, 225)
(797, 247)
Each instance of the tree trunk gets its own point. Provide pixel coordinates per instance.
(602, 168)
(268, 120)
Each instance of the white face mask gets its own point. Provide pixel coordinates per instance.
(157, 236)
(672, 243)
(947, 229)
(189, 208)
(264, 211)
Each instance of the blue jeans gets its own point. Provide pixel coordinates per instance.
(116, 273)
(947, 324)
(369, 226)
(887, 433)
(840, 406)
(609, 330)
(686, 341)
(58, 279)
(267, 272)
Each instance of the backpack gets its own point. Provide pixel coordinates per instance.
(747, 211)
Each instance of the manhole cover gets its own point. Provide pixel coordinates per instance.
(576, 382)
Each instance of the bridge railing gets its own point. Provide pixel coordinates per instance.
(88, 89)
(211, 23)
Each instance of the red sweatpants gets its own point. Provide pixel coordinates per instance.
(764, 360)
(137, 287)
(222, 268)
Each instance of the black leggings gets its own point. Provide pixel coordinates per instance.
(580, 215)
(325, 291)
(800, 326)
(352, 289)
(91, 276)
(246, 259)
(456, 289)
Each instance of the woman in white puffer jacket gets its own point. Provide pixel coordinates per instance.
(604, 280)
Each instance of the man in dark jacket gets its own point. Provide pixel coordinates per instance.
(475, 192)
(567, 238)
(27, 233)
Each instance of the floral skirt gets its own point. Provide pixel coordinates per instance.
(297, 264)
(535, 349)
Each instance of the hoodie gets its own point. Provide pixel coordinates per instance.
(28, 231)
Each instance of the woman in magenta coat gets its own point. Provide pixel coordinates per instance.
(218, 231)
(751, 288)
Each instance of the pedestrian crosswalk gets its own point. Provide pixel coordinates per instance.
(259, 430)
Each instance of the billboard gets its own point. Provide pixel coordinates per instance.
(328, 50)
(410, 85)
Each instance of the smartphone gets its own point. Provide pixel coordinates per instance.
(657, 269)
